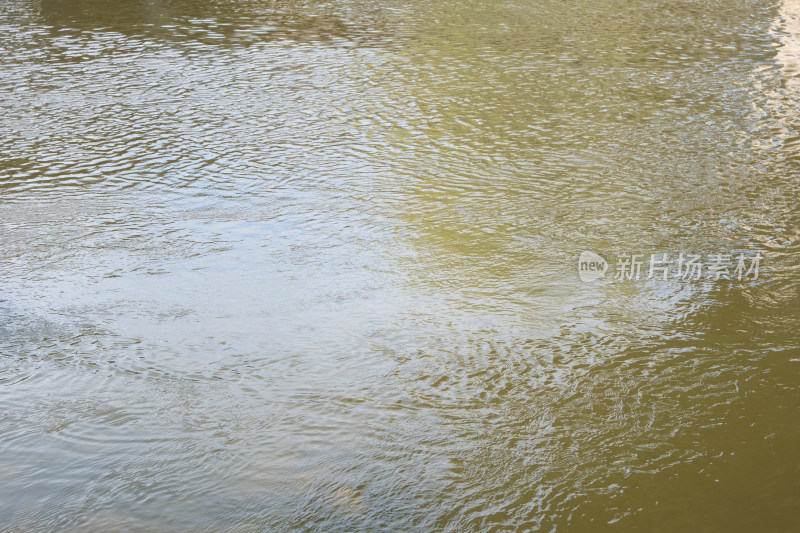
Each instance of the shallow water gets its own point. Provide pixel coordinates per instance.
(312, 266)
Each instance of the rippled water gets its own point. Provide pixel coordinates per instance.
(312, 266)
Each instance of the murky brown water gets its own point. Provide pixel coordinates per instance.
(312, 266)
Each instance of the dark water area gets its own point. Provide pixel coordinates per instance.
(313, 266)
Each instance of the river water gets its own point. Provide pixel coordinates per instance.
(313, 266)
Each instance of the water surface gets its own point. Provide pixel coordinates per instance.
(311, 266)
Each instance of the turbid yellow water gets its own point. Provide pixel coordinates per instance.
(313, 266)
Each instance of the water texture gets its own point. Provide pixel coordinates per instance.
(312, 266)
